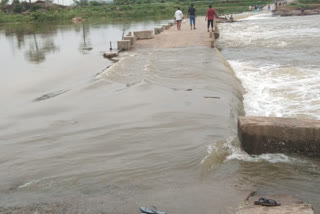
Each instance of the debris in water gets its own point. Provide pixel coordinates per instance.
(152, 210)
(212, 97)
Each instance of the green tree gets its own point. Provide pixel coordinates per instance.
(4, 2)
(14, 2)
(17, 8)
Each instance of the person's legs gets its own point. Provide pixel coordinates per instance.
(180, 24)
(194, 22)
(191, 21)
(211, 25)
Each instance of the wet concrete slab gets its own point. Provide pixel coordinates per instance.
(279, 135)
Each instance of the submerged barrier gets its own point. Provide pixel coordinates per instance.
(131, 38)
(146, 34)
(279, 135)
(128, 41)
(124, 45)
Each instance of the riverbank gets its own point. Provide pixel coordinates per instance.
(47, 12)
(298, 8)
(287, 11)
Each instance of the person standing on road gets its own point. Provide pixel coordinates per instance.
(178, 16)
(211, 13)
(192, 16)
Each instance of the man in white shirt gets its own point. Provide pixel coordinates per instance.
(178, 16)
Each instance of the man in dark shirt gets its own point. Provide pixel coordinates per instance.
(192, 16)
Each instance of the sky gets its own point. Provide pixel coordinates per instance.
(66, 2)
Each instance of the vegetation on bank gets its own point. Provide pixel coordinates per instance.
(46, 11)
(306, 4)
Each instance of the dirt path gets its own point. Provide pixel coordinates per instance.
(173, 38)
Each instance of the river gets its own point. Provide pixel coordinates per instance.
(277, 61)
(75, 139)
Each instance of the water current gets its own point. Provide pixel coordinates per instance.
(76, 138)
(277, 61)
(279, 64)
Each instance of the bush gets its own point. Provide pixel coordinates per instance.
(95, 3)
(33, 7)
(15, 2)
(43, 17)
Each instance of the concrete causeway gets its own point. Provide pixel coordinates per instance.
(186, 56)
(279, 135)
(173, 38)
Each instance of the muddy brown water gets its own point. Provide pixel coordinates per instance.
(157, 128)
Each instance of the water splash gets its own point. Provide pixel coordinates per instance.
(230, 149)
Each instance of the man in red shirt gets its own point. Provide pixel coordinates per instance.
(211, 13)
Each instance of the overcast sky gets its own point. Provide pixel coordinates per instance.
(64, 2)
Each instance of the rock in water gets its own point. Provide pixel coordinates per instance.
(110, 55)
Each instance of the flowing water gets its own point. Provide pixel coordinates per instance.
(76, 138)
(277, 61)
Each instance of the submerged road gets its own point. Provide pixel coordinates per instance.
(157, 128)
(152, 129)
(181, 101)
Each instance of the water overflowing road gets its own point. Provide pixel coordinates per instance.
(136, 134)
(156, 128)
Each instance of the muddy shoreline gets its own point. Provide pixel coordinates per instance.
(296, 12)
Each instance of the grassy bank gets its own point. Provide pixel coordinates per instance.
(44, 12)
(306, 4)
(299, 8)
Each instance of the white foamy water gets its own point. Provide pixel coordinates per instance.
(277, 61)
(265, 31)
(230, 149)
(258, 16)
(279, 91)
